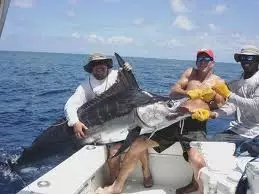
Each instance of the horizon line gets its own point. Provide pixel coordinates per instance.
(52, 52)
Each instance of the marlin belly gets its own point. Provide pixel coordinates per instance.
(152, 117)
(112, 131)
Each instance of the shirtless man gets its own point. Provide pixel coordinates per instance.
(161, 140)
(197, 83)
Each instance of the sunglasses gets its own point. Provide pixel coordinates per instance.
(99, 63)
(205, 59)
(248, 58)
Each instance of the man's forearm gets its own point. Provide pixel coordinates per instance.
(251, 103)
(71, 115)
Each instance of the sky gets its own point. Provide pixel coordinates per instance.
(173, 29)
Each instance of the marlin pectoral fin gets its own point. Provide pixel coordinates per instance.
(131, 137)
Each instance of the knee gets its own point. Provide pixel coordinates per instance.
(113, 149)
(196, 158)
(137, 146)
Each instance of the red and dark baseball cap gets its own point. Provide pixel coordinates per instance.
(209, 52)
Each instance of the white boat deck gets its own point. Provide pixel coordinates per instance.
(134, 187)
(137, 188)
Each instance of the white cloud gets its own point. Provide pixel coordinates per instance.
(76, 35)
(183, 22)
(235, 35)
(222, 43)
(243, 40)
(93, 38)
(23, 3)
(120, 40)
(214, 28)
(138, 21)
(71, 13)
(202, 37)
(112, 1)
(220, 8)
(173, 43)
(239, 40)
(73, 2)
(178, 6)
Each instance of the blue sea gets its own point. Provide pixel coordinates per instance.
(35, 87)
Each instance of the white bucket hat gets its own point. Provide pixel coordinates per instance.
(247, 50)
(97, 57)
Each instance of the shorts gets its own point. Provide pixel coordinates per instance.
(165, 137)
(192, 136)
(193, 130)
(109, 145)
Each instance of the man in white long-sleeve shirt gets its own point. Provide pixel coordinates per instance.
(242, 99)
(101, 77)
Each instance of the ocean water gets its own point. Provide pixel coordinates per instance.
(35, 87)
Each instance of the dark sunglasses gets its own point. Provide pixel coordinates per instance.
(99, 63)
(206, 59)
(247, 58)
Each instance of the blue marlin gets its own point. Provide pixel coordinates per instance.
(123, 112)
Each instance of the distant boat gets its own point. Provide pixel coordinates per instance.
(4, 5)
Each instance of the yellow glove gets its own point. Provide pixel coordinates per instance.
(208, 94)
(222, 89)
(195, 93)
(201, 114)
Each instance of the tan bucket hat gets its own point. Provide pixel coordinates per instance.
(247, 50)
(93, 58)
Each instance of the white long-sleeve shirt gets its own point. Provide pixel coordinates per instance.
(85, 92)
(244, 101)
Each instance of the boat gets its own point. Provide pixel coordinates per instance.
(86, 170)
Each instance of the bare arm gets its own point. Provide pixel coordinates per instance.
(180, 86)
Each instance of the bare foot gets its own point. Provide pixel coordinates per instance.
(107, 190)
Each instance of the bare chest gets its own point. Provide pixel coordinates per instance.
(196, 83)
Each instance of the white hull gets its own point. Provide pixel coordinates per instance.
(86, 170)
